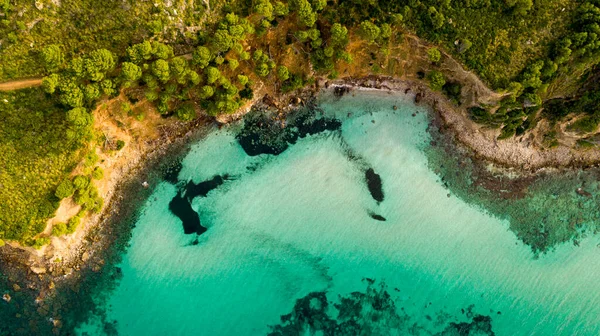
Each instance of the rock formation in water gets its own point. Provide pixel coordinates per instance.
(193, 190)
(182, 208)
(374, 184)
(377, 217)
(372, 312)
(181, 204)
(480, 325)
(262, 134)
(171, 174)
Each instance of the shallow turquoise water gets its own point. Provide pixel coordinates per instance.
(299, 222)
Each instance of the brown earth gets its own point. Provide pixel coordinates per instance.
(20, 84)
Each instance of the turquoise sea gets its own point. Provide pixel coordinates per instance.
(280, 227)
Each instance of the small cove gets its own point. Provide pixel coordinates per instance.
(309, 219)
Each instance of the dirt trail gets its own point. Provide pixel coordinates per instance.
(20, 84)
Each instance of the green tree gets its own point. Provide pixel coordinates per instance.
(222, 41)
(233, 64)
(108, 87)
(339, 35)
(436, 18)
(59, 229)
(262, 69)
(160, 69)
(91, 92)
(520, 7)
(79, 117)
(386, 31)
(71, 95)
(283, 73)
(76, 68)
(140, 52)
(369, 30)
(264, 8)
(201, 57)
(464, 45)
(212, 75)
(50, 83)
(194, 78)
(161, 50)
(434, 55)
(186, 112)
(131, 72)
(319, 5)
(52, 57)
(207, 91)
(179, 68)
(98, 63)
(242, 79)
(65, 189)
(306, 16)
(280, 9)
(436, 80)
(81, 182)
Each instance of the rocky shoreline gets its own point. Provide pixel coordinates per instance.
(39, 288)
(35, 286)
(517, 154)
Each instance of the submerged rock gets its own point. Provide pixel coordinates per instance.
(266, 134)
(171, 174)
(377, 217)
(480, 325)
(339, 91)
(181, 207)
(372, 312)
(374, 184)
(193, 190)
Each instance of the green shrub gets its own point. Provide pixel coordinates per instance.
(434, 55)
(81, 182)
(65, 189)
(59, 229)
(98, 173)
(38, 243)
(436, 80)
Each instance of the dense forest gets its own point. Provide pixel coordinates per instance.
(192, 57)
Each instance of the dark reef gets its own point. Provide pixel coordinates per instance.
(374, 184)
(181, 207)
(181, 204)
(372, 312)
(263, 134)
(480, 325)
(193, 190)
(377, 217)
(171, 174)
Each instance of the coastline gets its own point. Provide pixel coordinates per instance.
(518, 154)
(93, 246)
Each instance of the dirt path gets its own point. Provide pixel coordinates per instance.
(20, 84)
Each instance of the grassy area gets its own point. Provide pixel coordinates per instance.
(35, 157)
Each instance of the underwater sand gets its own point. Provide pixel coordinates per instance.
(287, 225)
